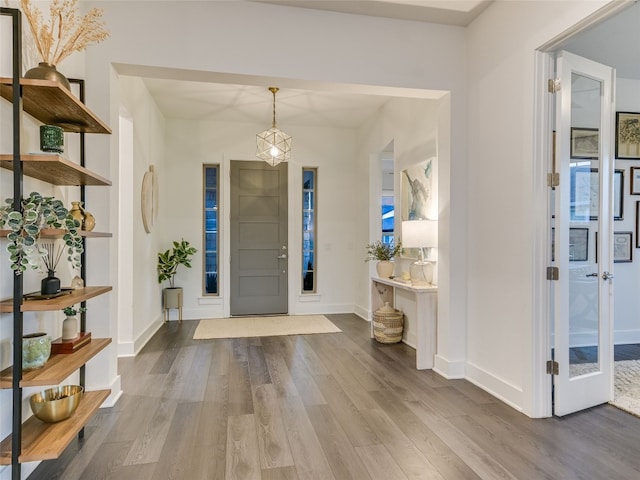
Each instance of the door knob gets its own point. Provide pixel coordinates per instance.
(284, 255)
(607, 276)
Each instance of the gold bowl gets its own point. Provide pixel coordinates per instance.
(56, 404)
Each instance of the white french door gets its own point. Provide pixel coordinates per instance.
(583, 211)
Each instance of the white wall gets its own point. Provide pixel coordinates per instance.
(412, 125)
(139, 311)
(190, 144)
(503, 203)
(627, 275)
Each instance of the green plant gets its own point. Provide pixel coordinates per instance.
(73, 311)
(37, 213)
(382, 251)
(169, 261)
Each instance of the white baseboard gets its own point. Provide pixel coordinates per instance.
(362, 312)
(131, 349)
(499, 388)
(447, 369)
(116, 393)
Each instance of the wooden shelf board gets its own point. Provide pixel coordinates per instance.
(57, 368)
(58, 303)
(54, 169)
(47, 441)
(51, 103)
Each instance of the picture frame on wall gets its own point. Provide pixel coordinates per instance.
(585, 142)
(585, 190)
(634, 185)
(622, 247)
(628, 135)
(578, 244)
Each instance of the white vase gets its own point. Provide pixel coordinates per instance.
(69, 328)
(384, 268)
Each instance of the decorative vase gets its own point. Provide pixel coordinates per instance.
(50, 284)
(36, 349)
(47, 71)
(384, 268)
(51, 138)
(69, 328)
(87, 221)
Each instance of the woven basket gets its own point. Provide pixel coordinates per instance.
(388, 324)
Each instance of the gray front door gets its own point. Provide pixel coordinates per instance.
(259, 253)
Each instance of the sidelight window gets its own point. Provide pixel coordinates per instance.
(211, 243)
(309, 230)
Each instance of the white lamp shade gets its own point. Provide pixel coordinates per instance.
(420, 233)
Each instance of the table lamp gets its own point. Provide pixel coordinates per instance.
(420, 234)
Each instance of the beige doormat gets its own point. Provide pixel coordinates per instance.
(626, 384)
(266, 326)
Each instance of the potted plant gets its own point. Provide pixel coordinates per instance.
(70, 328)
(26, 225)
(168, 263)
(383, 253)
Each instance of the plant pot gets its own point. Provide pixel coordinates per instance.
(47, 71)
(36, 349)
(69, 328)
(385, 268)
(51, 138)
(172, 297)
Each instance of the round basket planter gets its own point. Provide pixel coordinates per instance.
(388, 324)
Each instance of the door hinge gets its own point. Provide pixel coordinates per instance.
(553, 273)
(553, 179)
(552, 367)
(553, 85)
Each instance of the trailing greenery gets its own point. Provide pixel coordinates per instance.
(169, 261)
(37, 213)
(382, 251)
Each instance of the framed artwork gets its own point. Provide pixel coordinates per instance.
(628, 135)
(578, 244)
(622, 247)
(417, 197)
(634, 188)
(585, 142)
(585, 194)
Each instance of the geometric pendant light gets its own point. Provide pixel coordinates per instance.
(273, 145)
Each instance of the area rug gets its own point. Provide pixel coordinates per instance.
(237, 327)
(626, 384)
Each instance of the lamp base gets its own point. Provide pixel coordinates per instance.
(421, 273)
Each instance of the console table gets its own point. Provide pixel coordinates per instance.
(419, 305)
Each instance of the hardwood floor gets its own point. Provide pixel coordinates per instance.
(330, 406)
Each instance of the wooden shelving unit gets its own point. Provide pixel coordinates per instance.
(57, 303)
(54, 169)
(46, 441)
(57, 368)
(51, 103)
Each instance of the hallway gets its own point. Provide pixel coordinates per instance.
(327, 406)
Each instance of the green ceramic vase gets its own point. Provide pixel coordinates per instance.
(36, 349)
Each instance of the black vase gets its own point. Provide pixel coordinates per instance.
(50, 284)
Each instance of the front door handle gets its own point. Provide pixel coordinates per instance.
(607, 276)
(595, 274)
(284, 255)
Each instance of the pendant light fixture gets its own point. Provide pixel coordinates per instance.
(273, 145)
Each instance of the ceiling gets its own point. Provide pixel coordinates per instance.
(615, 42)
